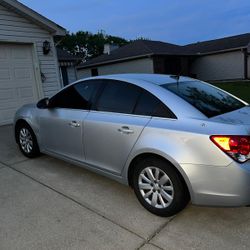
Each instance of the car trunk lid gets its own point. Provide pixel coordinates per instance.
(237, 117)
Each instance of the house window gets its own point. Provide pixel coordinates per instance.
(65, 78)
(94, 72)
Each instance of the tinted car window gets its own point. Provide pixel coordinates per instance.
(77, 96)
(118, 97)
(207, 99)
(150, 105)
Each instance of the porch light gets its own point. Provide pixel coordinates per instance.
(46, 47)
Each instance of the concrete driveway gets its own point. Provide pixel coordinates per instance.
(46, 203)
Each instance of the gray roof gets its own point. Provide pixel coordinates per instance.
(64, 55)
(145, 48)
(226, 43)
(137, 49)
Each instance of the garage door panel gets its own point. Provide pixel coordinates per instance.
(3, 53)
(6, 115)
(26, 93)
(4, 74)
(14, 104)
(20, 53)
(22, 74)
(7, 94)
(17, 80)
(8, 105)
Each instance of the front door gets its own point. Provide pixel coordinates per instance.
(61, 125)
(62, 132)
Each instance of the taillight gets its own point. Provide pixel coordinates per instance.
(238, 147)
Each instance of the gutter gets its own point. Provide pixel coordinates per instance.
(219, 51)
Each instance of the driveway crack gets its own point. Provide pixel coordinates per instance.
(159, 229)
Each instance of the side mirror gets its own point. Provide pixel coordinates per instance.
(43, 104)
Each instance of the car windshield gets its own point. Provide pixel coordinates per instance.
(206, 98)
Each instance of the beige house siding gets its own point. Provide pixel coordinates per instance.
(16, 29)
(144, 65)
(71, 74)
(83, 73)
(224, 66)
(248, 67)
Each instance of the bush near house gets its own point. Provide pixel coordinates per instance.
(240, 89)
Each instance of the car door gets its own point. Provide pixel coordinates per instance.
(61, 125)
(111, 129)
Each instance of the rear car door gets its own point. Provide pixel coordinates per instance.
(61, 125)
(111, 129)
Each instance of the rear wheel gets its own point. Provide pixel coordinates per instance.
(159, 187)
(27, 140)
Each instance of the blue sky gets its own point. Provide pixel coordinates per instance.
(179, 21)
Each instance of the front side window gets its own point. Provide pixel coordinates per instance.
(207, 99)
(119, 97)
(77, 96)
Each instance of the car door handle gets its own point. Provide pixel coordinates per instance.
(125, 130)
(74, 124)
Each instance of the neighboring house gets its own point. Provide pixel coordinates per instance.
(219, 59)
(141, 56)
(67, 66)
(28, 59)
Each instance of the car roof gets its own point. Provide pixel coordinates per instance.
(157, 79)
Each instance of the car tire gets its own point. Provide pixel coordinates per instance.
(27, 141)
(159, 187)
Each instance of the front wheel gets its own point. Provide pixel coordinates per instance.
(27, 141)
(159, 187)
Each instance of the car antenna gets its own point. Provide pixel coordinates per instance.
(177, 78)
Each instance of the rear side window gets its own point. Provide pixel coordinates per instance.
(207, 99)
(77, 96)
(119, 97)
(150, 105)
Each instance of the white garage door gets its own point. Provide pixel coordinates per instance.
(17, 79)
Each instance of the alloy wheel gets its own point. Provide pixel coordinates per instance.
(26, 141)
(156, 187)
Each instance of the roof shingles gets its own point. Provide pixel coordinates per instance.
(143, 48)
(221, 44)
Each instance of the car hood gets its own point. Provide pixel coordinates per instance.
(237, 117)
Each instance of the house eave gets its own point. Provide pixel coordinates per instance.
(115, 61)
(53, 28)
(221, 51)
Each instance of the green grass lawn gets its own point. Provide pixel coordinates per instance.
(239, 89)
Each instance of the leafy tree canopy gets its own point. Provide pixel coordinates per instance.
(88, 45)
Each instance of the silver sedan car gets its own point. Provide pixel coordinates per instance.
(172, 139)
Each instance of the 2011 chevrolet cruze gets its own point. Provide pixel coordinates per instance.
(170, 138)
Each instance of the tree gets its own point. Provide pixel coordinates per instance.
(88, 45)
